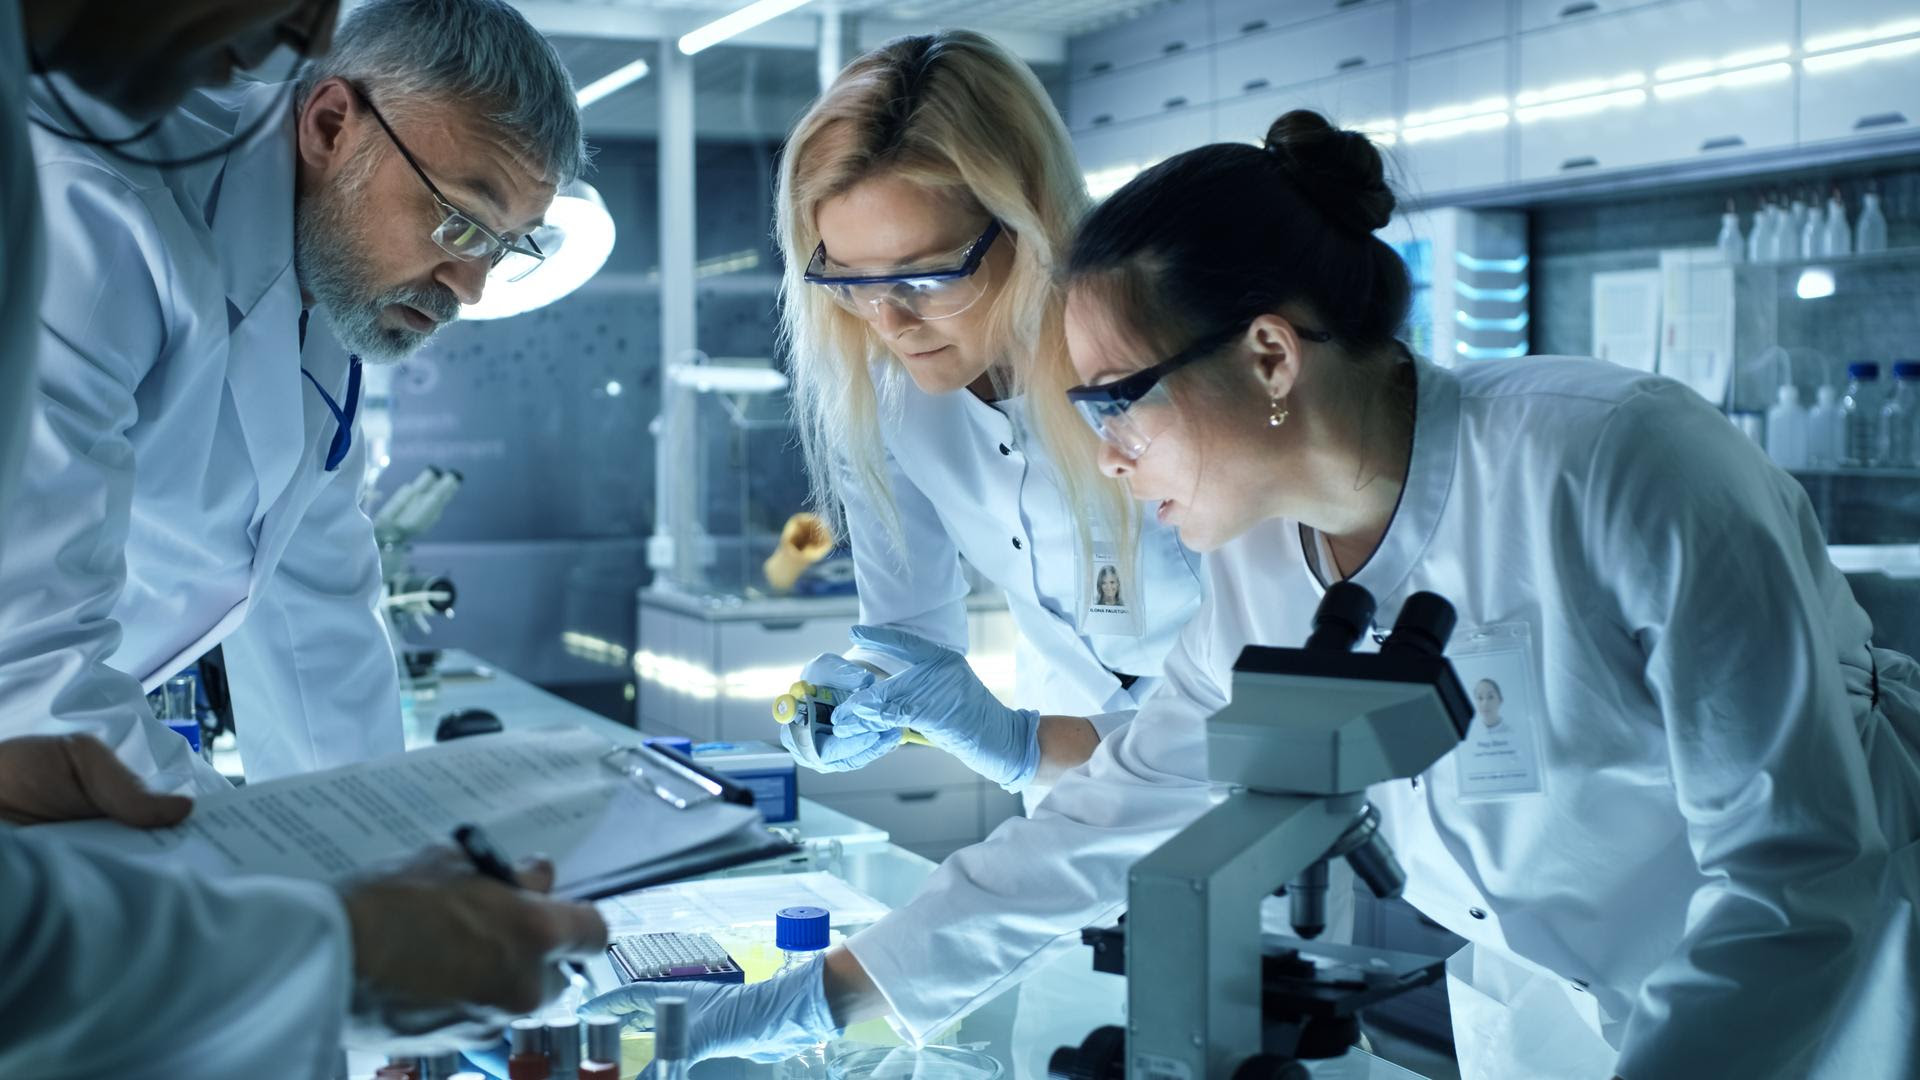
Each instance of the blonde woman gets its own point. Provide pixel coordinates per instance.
(924, 201)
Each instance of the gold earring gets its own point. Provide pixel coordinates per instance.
(1277, 416)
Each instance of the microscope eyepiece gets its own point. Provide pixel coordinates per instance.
(1344, 614)
(1426, 622)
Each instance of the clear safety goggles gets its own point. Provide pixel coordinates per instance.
(949, 285)
(1116, 410)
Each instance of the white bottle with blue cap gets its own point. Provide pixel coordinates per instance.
(801, 934)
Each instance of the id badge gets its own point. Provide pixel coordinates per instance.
(1501, 756)
(1115, 593)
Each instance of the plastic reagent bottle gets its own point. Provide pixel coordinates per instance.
(1870, 234)
(1824, 429)
(670, 1040)
(1895, 449)
(1757, 246)
(1782, 244)
(1787, 430)
(1839, 239)
(1860, 414)
(1732, 245)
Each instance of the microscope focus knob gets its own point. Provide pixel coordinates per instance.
(1103, 1056)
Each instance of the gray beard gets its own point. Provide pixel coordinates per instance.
(326, 259)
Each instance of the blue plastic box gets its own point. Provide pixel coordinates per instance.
(762, 768)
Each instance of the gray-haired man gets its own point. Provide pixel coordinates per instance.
(192, 470)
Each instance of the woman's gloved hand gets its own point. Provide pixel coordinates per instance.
(763, 1021)
(939, 696)
(823, 752)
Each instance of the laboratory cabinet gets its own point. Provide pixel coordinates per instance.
(1363, 38)
(1573, 88)
(1435, 26)
(1453, 152)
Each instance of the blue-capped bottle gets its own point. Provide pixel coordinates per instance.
(1860, 415)
(802, 934)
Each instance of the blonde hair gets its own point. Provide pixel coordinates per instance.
(958, 115)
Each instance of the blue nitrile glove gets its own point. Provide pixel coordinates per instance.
(763, 1021)
(940, 697)
(835, 753)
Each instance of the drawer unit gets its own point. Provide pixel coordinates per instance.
(1352, 101)
(1438, 25)
(757, 660)
(1132, 147)
(1179, 82)
(1367, 37)
(1166, 31)
(1240, 18)
(906, 769)
(1828, 24)
(921, 815)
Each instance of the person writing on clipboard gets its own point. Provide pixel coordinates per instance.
(131, 970)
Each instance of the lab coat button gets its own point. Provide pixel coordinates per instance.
(1476, 913)
(1005, 450)
(1017, 545)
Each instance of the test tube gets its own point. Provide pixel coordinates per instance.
(527, 1049)
(180, 695)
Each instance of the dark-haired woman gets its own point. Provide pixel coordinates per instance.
(1705, 862)
(1708, 868)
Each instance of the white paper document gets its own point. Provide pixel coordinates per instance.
(1696, 321)
(1626, 317)
(548, 791)
(698, 907)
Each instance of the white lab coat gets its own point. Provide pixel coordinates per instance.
(969, 480)
(1705, 885)
(115, 968)
(174, 479)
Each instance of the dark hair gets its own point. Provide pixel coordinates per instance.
(1205, 241)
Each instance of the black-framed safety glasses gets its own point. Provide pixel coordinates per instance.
(1108, 408)
(948, 284)
(459, 234)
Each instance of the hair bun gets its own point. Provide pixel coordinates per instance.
(1340, 171)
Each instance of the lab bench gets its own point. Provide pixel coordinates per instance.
(863, 856)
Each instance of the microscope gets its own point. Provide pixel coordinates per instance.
(1209, 997)
(407, 513)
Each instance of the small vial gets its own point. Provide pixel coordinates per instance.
(527, 1050)
(670, 1041)
(563, 1047)
(603, 1050)
(801, 933)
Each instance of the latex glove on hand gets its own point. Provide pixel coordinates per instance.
(763, 1021)
(443, 956)
(70, 777)
(822, 751)
(939, 696)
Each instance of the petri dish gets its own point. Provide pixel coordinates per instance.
(907, 1063)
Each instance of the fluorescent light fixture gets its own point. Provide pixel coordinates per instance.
(1503, 296)
(1746, 77)
(1490, 352)
(1816, 283)
(1384, 131)
(618, 79)
(734, 23)
(1686, 69)
(1489, 266)
(1755, 56)
(1475, 322)
(727, 379)
(578, 219)
(1447, 129)
(1863, 34)
(1840, 60)
(1585, 106)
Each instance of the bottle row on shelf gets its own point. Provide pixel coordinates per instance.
(1871, 425)
(1790, 227)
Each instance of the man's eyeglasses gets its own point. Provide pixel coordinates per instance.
(459, 234)
(1108, 407)
(950, 284)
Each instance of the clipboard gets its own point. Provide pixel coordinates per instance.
(555, 790)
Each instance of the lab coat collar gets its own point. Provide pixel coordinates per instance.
(252, 199)
(1430, 473)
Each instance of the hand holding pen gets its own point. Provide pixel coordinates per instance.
(441, 952)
